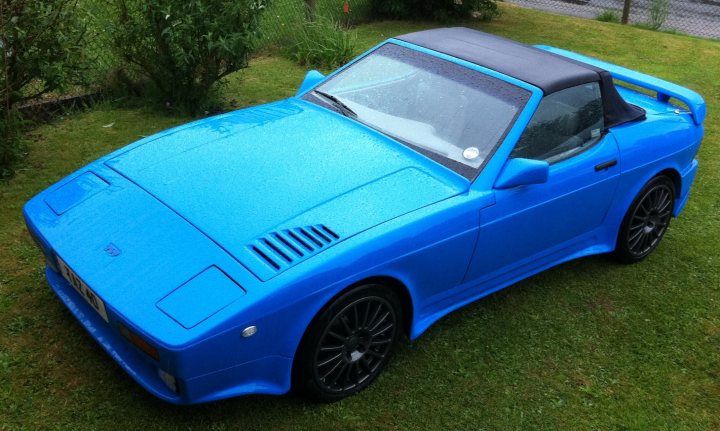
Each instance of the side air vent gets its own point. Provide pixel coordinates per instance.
(283, 249)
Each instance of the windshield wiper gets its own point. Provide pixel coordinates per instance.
(337, 104)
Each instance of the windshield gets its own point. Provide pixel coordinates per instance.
(448, 112)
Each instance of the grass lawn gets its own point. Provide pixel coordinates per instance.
(590, 345)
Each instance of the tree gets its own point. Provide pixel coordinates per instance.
(40, 52)
(626, 11)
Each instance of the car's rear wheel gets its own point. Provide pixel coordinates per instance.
(646, 221)
(349, 343)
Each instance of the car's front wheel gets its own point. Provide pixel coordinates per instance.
(348, 343)
(646, 221)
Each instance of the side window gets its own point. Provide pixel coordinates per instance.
(565, 123)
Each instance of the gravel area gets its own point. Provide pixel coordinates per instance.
(695, 17)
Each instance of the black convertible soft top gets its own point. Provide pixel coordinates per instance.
(546, 70)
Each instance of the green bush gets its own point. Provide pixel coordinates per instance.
(608, 15)
(437, 10)
(322, 43)
(40, 52)
(9, 142)
(185, 46)
(659, 11)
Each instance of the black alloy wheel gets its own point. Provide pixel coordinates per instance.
(646, 221)
(349, 343)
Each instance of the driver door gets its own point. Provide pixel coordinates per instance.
(534, 225)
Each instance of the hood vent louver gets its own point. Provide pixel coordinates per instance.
(282, 249)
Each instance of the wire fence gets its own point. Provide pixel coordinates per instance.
(285, 16)
(694, 17)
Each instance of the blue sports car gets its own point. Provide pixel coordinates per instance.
(292, 244)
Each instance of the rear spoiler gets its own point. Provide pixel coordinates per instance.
(664, 89)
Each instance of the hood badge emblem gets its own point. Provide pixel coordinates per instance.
(112, 250)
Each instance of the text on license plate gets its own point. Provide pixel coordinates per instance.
(84, 291)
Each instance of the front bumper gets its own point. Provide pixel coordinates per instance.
(143, 370)
(212, 360)
(268, 375)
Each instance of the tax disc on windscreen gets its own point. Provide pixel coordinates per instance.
(471, 153)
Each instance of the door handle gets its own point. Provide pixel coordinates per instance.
(605, 165)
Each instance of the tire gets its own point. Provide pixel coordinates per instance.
(348, 344)
(646, 221)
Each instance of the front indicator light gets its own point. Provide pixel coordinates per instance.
(138, 342)
(249, 331)
(169, 380)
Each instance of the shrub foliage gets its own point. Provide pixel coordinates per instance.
(322, 43)
(659, 12)
(608, 15)
(40, 51)
(437, 10)
(186, 46)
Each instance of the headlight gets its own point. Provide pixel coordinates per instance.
(50, 257)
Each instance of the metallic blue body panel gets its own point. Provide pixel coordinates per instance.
(74, 192)
(208, 292)
(264, 180)
(153, 227)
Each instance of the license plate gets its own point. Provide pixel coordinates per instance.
(83, 289)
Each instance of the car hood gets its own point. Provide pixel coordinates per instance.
(267, 182)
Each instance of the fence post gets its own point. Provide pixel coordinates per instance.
(626, 12)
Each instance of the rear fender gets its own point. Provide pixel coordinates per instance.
(664, 89)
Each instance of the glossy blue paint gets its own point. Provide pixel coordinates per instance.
(548, 221)
(208, 292)
(522, 172)
(253, 159)
(73, 192)
(189, 207)
(312, 78)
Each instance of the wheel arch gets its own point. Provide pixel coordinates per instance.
(398, 287)
(623, 204)
(625, 253)
(668, 171)
(674, 175)
(401, 290)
